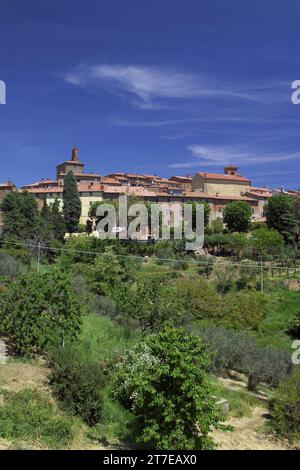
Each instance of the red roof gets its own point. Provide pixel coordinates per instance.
(221, 176)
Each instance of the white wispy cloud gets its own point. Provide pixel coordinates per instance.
(221, 155)
(145, 85)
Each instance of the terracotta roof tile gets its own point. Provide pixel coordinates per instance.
(221, 176)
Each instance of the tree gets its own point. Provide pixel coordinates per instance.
(237, 216)
(38, 311)
(110, 270)
(72, 203)
(281, 215)
(165, 382)
(148, 302)
(266, 242)
(54, 218)
(20, 216)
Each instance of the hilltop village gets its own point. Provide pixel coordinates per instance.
(217, 189)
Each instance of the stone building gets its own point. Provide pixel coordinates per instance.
(230, 183)
(216, 189)
(77, 167)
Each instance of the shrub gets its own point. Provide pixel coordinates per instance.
(28, 415)
(266, 242)
(9, 266)
(285, 407)
(109, 271)
(224, 273)
(226, 244)
(244, 310)
(79, 384)
(23, 255)
(165, 383)
(147, 303)
(238, 351)
(40, 310)
(194, 298)
(293, 327)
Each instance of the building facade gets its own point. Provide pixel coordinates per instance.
(216, 189)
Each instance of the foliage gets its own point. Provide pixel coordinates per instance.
(39, 310)
(293, 326)
(236, 350)
(244, 310)
(226, 244)
(147, 302)
(285, 407)
(109, 271)
(29, 415)
(266, 242)
(237, 216)
(54, 218)
(281, 215)
(102, 339)
(79, 384)
(217, 225)
(195, 298)
(247, 275)
(9, 266)
(22, 220)
(21, 254)
(165, 383)
(72, 203)
(225, 274)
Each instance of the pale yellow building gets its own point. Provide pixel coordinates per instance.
(230, 183)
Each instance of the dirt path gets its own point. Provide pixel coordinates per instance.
(248, 431)
(248, 434)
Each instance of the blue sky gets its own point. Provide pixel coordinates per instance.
(161, 86)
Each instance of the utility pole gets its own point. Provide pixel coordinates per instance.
(261, 275)
(38, 258)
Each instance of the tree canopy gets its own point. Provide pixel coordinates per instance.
(282, 215)
(237, 216)
(72, 203)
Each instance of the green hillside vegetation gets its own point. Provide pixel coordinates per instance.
(125, 329)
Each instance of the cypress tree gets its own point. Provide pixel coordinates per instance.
(72, 203)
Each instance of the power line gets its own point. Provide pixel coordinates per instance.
(40, 247)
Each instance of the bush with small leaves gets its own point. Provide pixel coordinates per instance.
(225, 274)
(293, 326)
(38, 311)
(9, 266)
(165, 383)
(285, 407)
(79, 384)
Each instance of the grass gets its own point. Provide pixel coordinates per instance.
(102, 338)
(28, 415)
(240, 401)
(283, 306)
